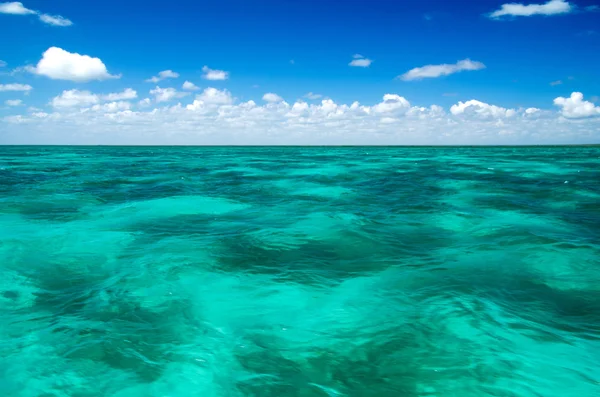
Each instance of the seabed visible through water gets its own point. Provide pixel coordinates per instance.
(266, 271)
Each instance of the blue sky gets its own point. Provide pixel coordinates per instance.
(292, 48)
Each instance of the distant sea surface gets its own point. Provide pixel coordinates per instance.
(291, 271)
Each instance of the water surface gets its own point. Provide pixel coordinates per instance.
(189, 271)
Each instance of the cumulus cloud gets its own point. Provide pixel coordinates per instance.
(433, 71)
(216, 117)
(271, 97)
(474, 108)
(15, 87)
(77, 98)
(552, 7)
(360, 61)
(73, 98)
(13, 102)
(575, 107)
(557, 82)
(166, 94)
(165, 74)
(188, 85)
(17, 8)
(213, 74)
(59, 64)
(392, 103)
(128, 93)
(211, 97)
(112, 107)
(55, 20)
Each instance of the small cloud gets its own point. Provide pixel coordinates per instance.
(189, 86)
(255, 86)
(427, 17)
(2, 63)
(55, 20)
(595, 98)
(557, 82)
(571, 78)
(128, 93)
(360, 61)
(211, 97)
(313, 96)
(272, 98)
(166, 94)
(214, 74)
(13, 102)
(59, 64)
(72, 98)
(434, 71)
(16, 87)
(165, 74)
(592, 8)
(15, 8)
(292, 62)
(450, 94)
(552, 7)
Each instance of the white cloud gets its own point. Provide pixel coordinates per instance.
(112, 107)
(392, 103)
(575, 107)
(15, 87)
(145, 102)
(552, 7)
(55, 20)
(388, 120)
(360, 61)
(271, 97)
(211, 97)
(433, 71)
(557, 82)
(2, 63)
(188, 85)
(73, 98)
(313, 96)
(59, 64)
(215, 117)
(128, 93)
(165, 74)
(478, 109)
(15, 8)
(212, 74)
(166, 94)
(13, 102)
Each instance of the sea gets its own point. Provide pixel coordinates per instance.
(299, 271)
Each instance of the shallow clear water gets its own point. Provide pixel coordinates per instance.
(166, 271)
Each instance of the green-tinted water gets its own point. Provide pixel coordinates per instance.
(299, 271)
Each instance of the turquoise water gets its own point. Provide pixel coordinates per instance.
(188, 271)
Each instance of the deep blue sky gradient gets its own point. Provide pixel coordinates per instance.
(255, 41)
